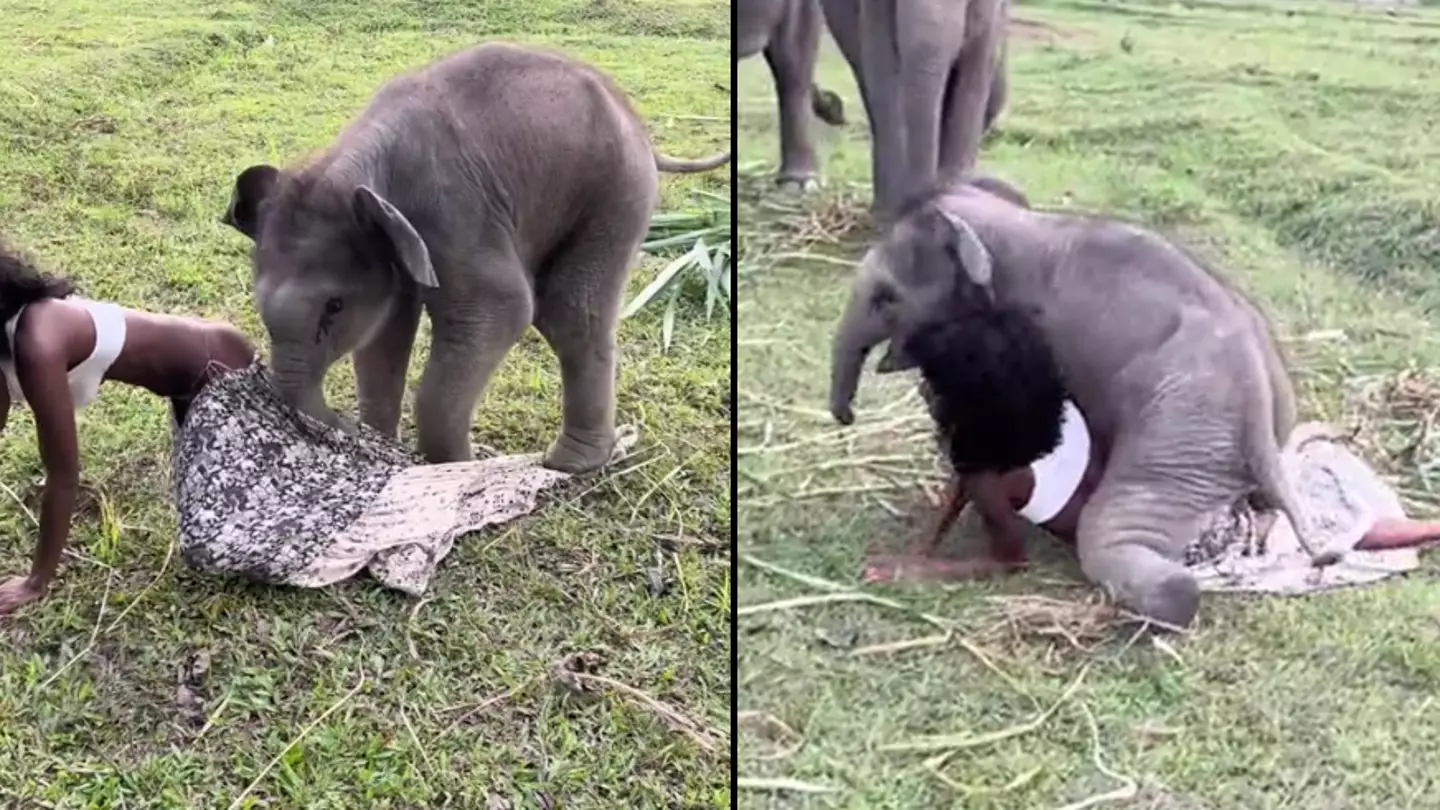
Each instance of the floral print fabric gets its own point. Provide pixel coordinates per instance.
(269, 494)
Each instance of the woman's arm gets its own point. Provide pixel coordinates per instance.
(42, 367)
(956, 496)
(992, 496)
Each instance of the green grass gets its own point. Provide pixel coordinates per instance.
(122, 126)
(1294, 144)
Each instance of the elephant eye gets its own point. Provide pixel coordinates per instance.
(334, 305)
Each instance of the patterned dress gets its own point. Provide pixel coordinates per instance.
(269, 494)
(1341, 498)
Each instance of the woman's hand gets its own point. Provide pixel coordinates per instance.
(20, 591)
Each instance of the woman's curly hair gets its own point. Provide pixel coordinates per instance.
(994, 387)
(22, 283)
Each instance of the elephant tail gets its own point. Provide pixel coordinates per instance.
(827, 106)
(665, 163)
(1276, 491)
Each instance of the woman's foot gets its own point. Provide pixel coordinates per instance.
(18, 592)
(1390, 533)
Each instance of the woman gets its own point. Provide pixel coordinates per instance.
(1021, 452)
(57, 350)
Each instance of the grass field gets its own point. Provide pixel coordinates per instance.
(140, 684)
(1293, 143)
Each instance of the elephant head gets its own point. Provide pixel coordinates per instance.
(329, 260)
(918, 265)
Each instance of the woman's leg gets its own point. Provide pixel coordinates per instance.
(1399, 533)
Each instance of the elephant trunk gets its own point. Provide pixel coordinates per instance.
(860, 331)
(299, 382)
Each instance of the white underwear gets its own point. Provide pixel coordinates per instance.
(1058, 475)
(86, 377)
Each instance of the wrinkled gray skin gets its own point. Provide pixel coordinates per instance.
(788, 33)
(1177, 373)
(932, 77)
(498, 188)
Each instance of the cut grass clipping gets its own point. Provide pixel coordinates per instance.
(702, 239)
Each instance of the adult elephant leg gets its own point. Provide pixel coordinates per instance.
(578, 312)
(966, 100)
(473, 330)
(1131, 541)
(381, 364)
(922, 86)
(844, 20)
(791, 56)
(881, 77)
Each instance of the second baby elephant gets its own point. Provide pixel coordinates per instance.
(788, 33)
(1176, 371)
(499, 187)
(932, 77)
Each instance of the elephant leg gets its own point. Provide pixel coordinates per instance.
(1282, 390)
(1131, 541)
(791, 58)
(922, 86)
(966, 101)
(578, 313)
(473, 331)
(381, 364)
(845, 20)
(881, 80)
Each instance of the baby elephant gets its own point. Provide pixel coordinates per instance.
(1176, 371)
(499, 187)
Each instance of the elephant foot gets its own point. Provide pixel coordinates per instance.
(330, 418)
(578, 453)
(1174, 602)
(798, 183)
(827, 106)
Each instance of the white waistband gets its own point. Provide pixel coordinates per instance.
(1058, 474)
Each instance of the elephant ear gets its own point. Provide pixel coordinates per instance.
(973, 254)
(252, 187)
(375, 212)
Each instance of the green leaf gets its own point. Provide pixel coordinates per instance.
(726, 276)
(661, 281)
(657, 244)
(667, 324)
(712, 291)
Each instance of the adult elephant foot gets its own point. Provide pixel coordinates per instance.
(798, 184)
(577, 453)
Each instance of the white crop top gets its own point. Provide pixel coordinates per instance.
(1058, 474)
(86, 377)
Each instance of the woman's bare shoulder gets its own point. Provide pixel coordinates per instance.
(50, 329)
